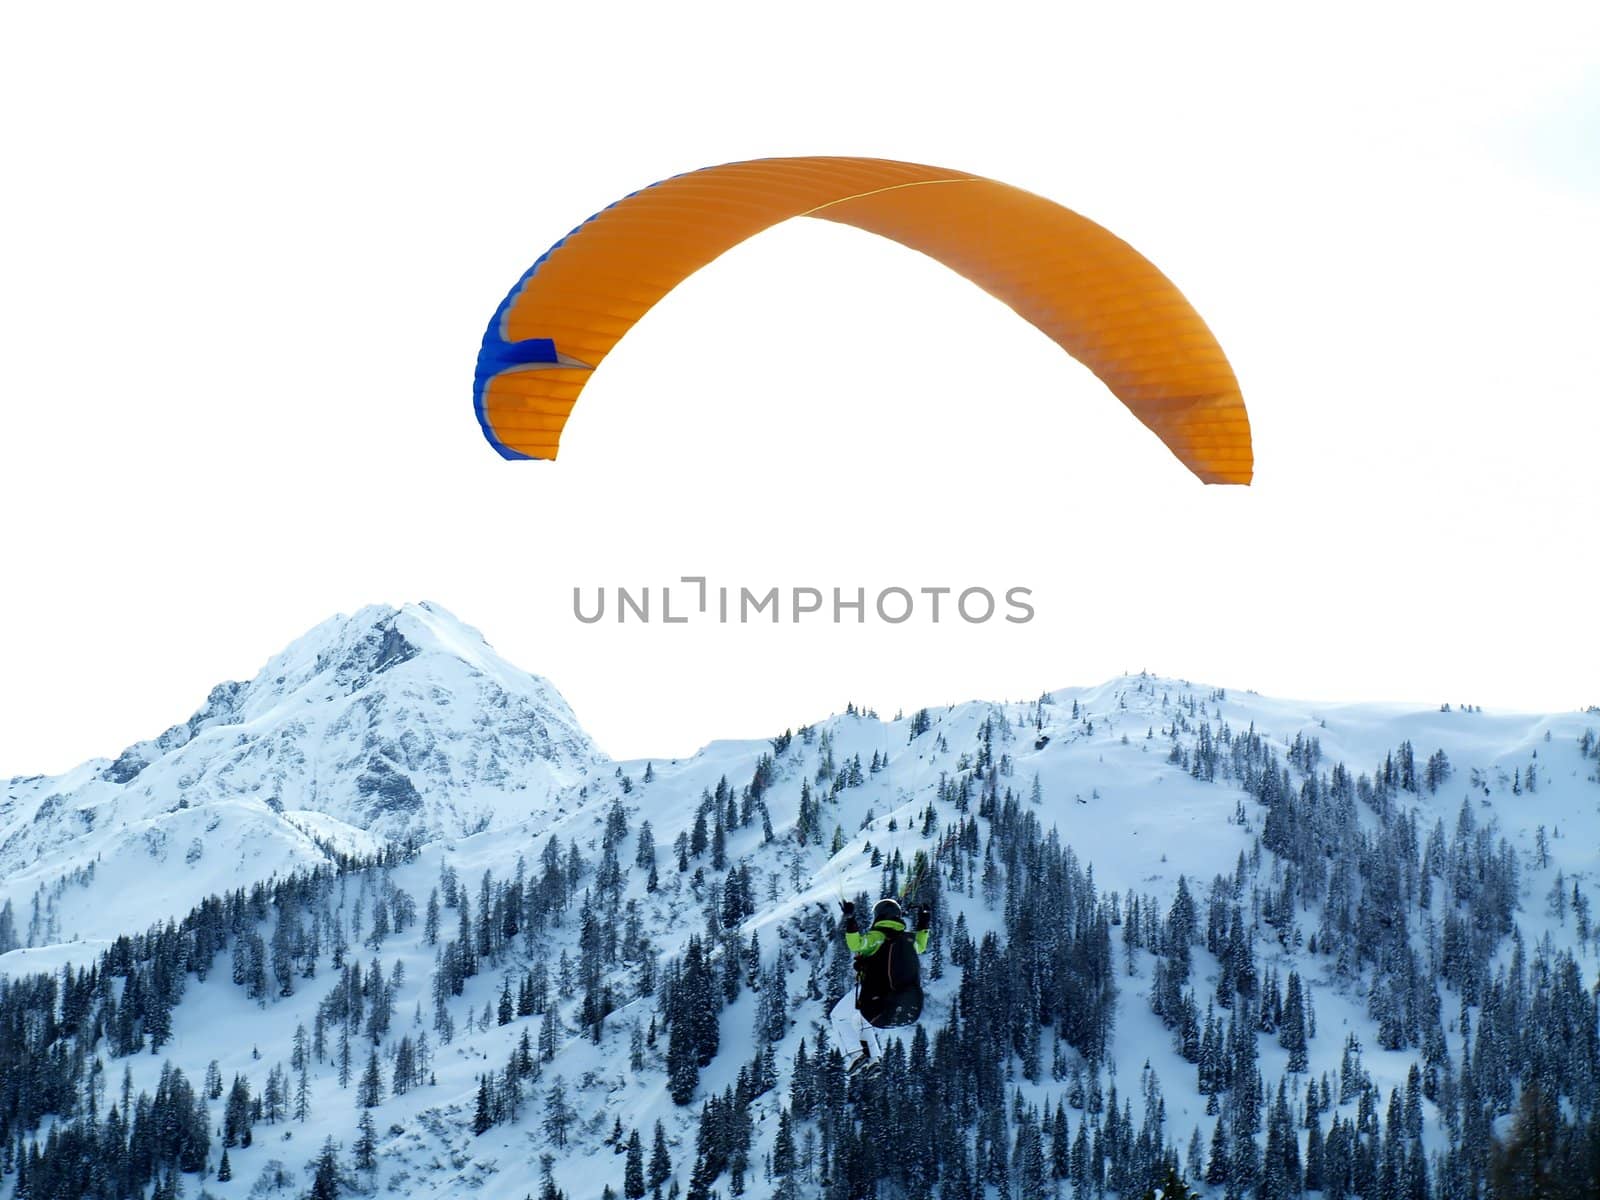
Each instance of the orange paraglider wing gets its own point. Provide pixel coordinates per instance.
(1089, 291)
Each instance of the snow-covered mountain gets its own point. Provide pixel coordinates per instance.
(388, 725)
(1419, 877)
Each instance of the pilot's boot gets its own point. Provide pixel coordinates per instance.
(863, 1058)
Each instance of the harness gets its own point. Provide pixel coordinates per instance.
(890, 936)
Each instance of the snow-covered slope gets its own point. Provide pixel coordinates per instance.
(1120, 771)
(390, 724)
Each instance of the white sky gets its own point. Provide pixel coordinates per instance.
(245, 265)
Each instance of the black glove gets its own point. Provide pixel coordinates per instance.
(924, 915)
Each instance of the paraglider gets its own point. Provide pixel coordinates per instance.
(1090, 292)
(888, 970)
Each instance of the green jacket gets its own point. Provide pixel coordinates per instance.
(868, 943)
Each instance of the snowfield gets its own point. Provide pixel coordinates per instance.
(400, 732)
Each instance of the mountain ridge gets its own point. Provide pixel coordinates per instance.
(388, 723)
(1395, 869)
